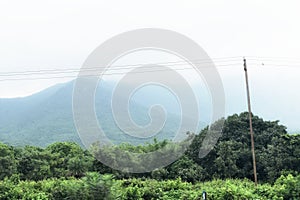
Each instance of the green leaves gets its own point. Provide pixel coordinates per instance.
(92, 187)
(8, 164)
(66, 171)
(285, 188)
(288, 187)
(33, 164)
(68, 159)
(276, 151)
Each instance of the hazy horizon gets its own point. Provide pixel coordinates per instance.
(60, 35)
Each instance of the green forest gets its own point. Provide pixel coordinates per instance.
(64, 170)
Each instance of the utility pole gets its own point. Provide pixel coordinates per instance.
(250, 122)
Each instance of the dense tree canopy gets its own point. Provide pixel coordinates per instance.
(276, 150)
(69, 168)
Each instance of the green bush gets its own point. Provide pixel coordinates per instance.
(286, 187)
(95, 186)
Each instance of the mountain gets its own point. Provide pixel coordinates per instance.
(38, 118)
(47, 116)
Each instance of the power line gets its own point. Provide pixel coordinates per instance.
(265, 64)
(121, 69)
(277, 61)
(106, 74)
(256, 61)
(198, 61)
(273, 58)
(95, 69)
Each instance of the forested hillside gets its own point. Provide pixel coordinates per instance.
(47, 116)
(65, 170)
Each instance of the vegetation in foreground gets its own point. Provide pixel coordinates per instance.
(66, 171)
(96, 186)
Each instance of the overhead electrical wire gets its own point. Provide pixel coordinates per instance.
(198, 61)
(117, 69)
(153, 67)
(95, 69)
(107, 74)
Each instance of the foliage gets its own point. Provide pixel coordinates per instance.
(8, 163)
(33, 163)
(96, 186)
(276, 151)
(64, 170)
(68, 159)
(286, 187)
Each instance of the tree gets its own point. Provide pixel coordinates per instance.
(68, 158)
(186, 169)
(33, 164)
(8, 164)
(280, 156)
(231, 156)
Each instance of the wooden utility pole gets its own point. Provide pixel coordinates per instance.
(250, 122)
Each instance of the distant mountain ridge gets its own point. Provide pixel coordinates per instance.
(46, 117)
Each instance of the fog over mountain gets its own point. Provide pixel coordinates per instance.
(46, 117)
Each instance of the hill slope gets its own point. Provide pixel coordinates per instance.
(46, 117)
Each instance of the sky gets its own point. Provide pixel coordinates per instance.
(60, 34)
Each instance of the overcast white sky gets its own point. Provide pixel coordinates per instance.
(58, 34)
